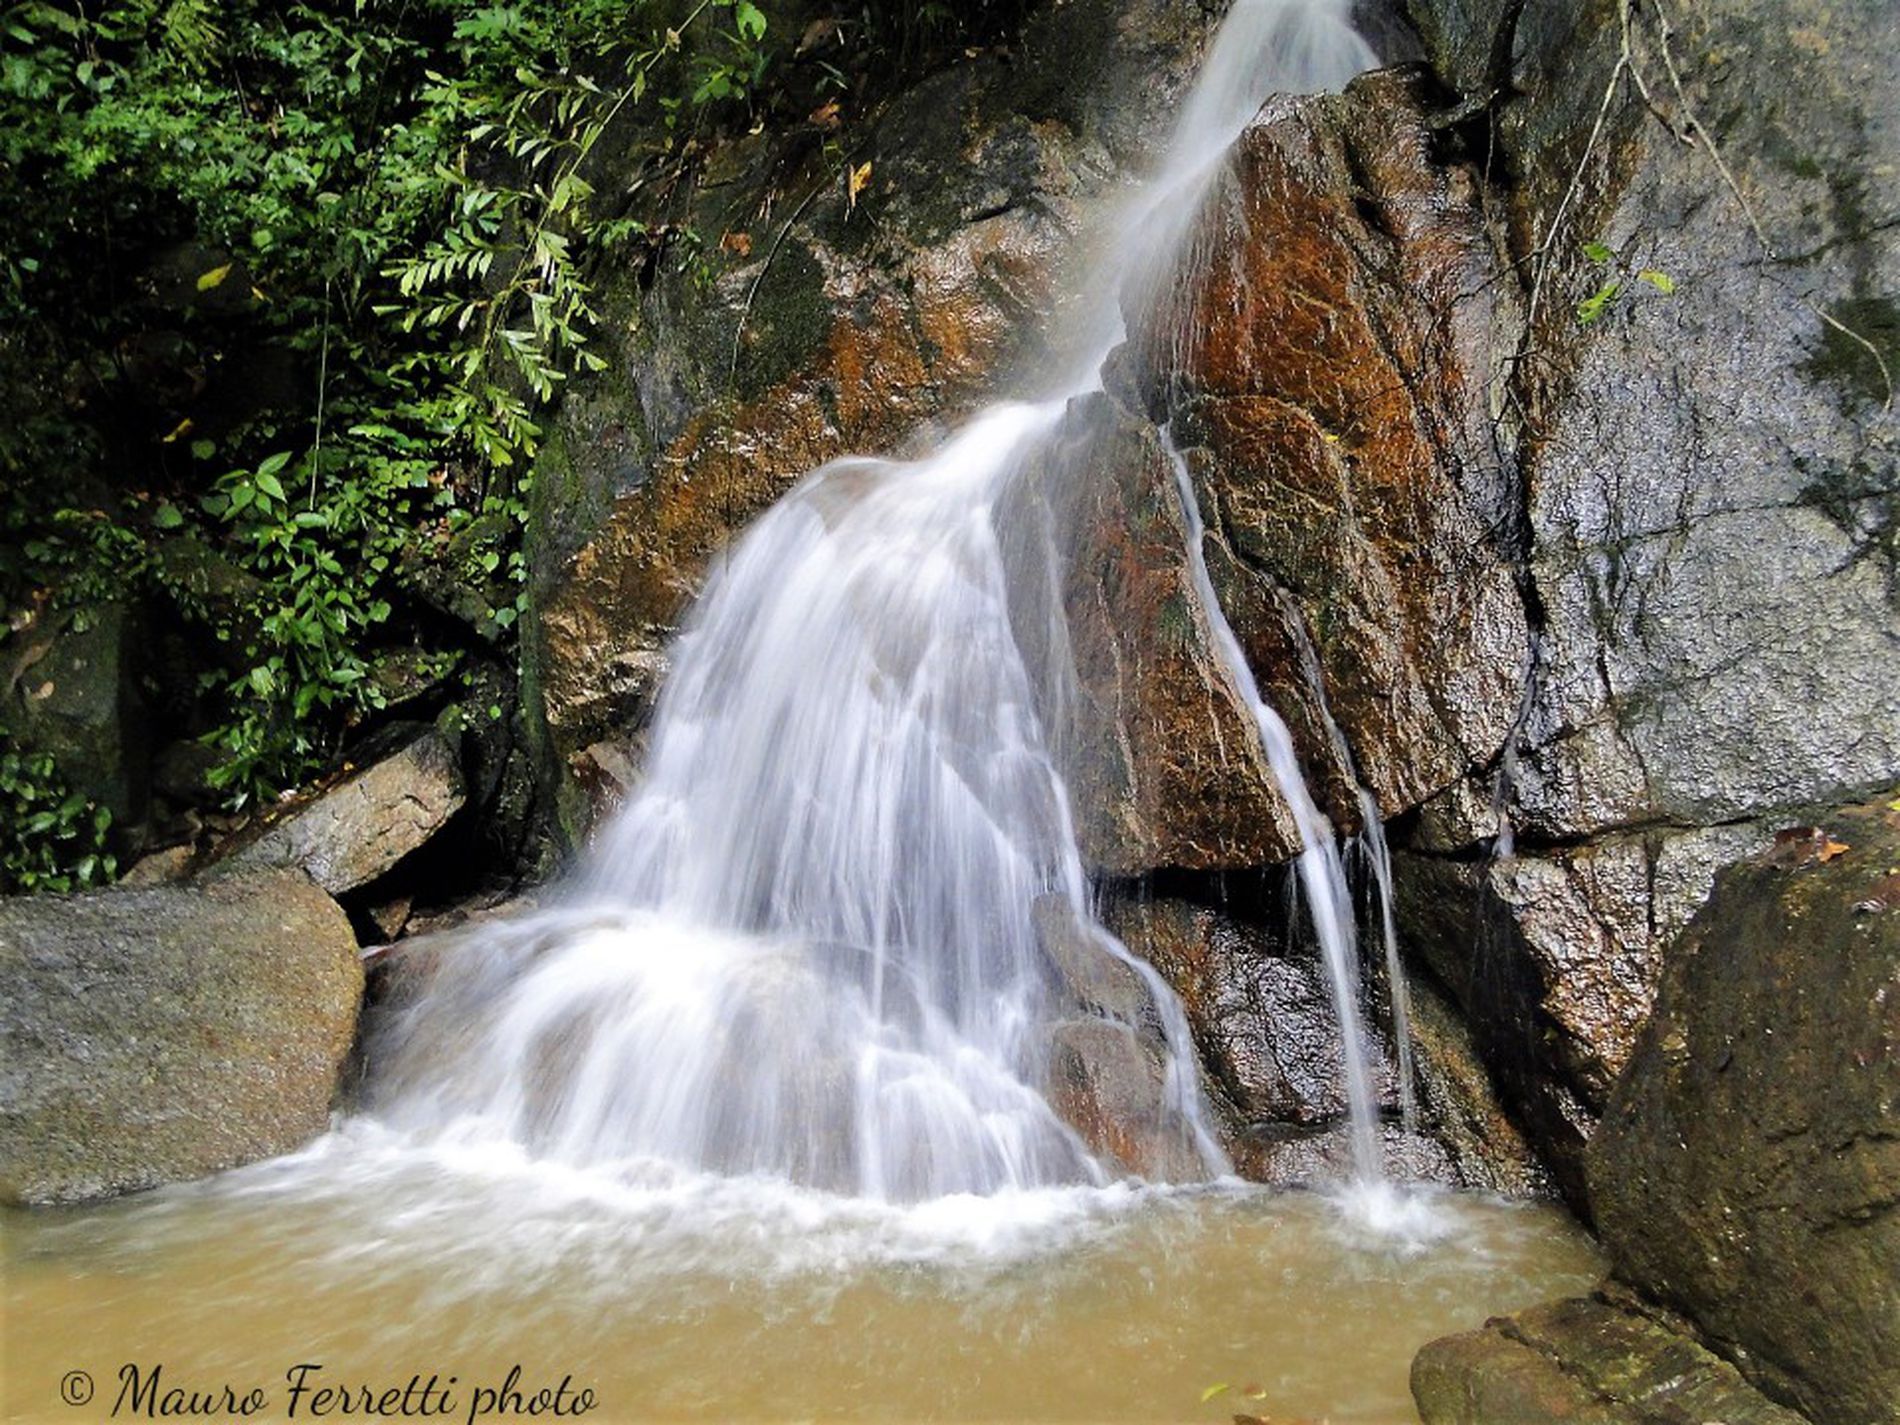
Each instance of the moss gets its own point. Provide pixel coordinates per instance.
(1846, 361)
(789, 321)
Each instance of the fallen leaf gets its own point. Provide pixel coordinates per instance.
(1805, 846)
(1214, 1390)
(179, 431)
(854, 183)
(826, 116)
(1254, 1392)
(738, 244)
(214, 277)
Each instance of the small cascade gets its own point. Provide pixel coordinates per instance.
(1322, 872)
(804, 949)
(1379, 855)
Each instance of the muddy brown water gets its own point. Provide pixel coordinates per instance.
(693, 1298)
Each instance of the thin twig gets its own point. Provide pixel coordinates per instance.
(1694, 121)
(732, 370)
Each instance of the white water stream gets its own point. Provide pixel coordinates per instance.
(804, 948)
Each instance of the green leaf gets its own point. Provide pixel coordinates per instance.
(1597, 252)
(167, 516)
(270, 485)
(749, 19)
(1595, 305)
(1661, 281)
(1214, 1390)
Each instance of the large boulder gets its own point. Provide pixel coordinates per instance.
(357, 828)
(1602, 1360)
(1162, 761)
(1696, 417)
(150, 1036)
(1324, 366)
(1748, 1168)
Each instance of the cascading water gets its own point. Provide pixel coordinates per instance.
(805, 947)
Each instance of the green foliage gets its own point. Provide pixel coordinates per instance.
(1592, 308)
(51, 837)
(401, 194)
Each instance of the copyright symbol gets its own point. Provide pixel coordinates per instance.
(75, 1387)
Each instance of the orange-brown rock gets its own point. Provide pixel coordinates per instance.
(1331, 404)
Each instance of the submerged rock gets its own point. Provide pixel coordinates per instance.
(1748, 1168)
(151, 1036)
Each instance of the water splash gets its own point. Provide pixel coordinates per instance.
(805, 949)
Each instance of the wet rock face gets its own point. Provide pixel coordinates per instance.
(1320, 367)
(1267, 1038)
(1266, 1022)
(1162, 761)
(1341, 310)
(1748, 1167)
(1708, 497)
(151, 1036)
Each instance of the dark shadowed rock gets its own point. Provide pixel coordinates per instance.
(150, 1036)
(356, 829)
(1264, 1021)
(1587, 1361)
(1748, 1168)
(1553, 960)
(1264, 1025)
(69, 688)
(1460, 1107)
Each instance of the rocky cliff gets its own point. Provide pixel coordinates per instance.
(1535, 398)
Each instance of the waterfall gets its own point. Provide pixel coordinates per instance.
(804, 948)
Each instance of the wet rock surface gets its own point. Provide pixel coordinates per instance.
(152, 1036)
(1162, 761)
(1603, 1360)
(1341, 314)
(1707, 488)
(1748, 1168)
